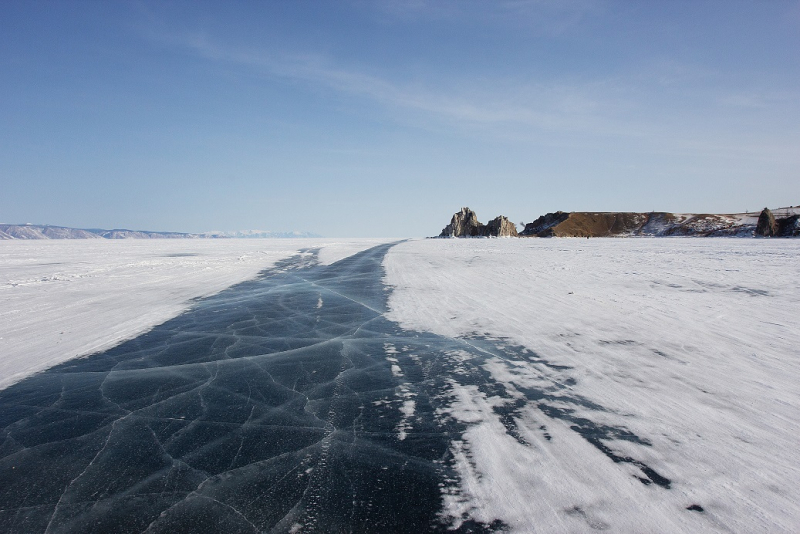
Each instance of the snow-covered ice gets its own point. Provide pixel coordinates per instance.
(688, 348)
(65, 298)
(634, 385)
(334, 250)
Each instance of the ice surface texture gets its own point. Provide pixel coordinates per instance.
(270, 406)
(60, 299)
(292, 404)
(690, 344)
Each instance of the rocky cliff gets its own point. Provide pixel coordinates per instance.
(500, 227)
(465, 224)
(585, 224)
(542, 227)
(782, 223)
(789, 226)
(767, 226)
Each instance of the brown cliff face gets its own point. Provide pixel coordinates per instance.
(657, 224)
(600, 224)
(542, 227)
(585, 224)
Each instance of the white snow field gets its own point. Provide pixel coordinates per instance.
(65, 298)
(692, 344)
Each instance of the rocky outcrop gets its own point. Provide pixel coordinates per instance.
(662, 224)
(771, 226)
(779, 222)
(500, 227)
(542, 227)
(586, 224)
(767, 226)
(465, 224)
(789, 227)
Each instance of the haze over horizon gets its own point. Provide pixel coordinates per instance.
(382, 118)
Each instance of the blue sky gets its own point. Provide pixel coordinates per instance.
(356, 118)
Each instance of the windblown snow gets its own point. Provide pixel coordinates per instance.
(62, 299)
(633, 385)
(692, 345)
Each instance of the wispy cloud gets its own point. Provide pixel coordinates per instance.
(645, 106)
(548, 17)
(549, 107)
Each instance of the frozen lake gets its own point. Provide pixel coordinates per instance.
(65, 298)
(453, 385)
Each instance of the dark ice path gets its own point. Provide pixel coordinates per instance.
(286, 404)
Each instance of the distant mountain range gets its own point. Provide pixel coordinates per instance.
(37, 231)
(258, 234)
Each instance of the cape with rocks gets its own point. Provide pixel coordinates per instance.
(465, 224)
(780, 222)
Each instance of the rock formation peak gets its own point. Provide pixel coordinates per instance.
(465, 224)
(767, 226)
